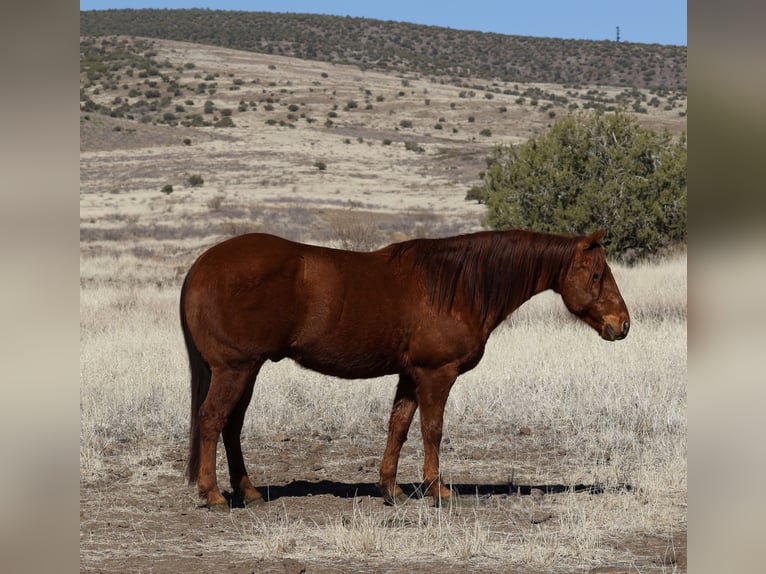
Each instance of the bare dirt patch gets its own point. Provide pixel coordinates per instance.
(325, 515)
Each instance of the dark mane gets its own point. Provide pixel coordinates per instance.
(494, 271)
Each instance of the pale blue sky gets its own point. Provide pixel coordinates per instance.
(646, 21)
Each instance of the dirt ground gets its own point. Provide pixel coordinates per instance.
(143, 517)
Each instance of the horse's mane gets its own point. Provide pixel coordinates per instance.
(494, 271)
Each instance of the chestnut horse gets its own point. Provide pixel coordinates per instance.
(422, 309)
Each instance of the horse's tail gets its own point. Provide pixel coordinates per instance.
(200, 383)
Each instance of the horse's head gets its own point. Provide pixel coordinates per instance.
(590, 291)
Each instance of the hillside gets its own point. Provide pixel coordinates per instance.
(314, 151)
(452, 54)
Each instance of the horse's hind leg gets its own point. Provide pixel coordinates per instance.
(240, 482)
(227, 387)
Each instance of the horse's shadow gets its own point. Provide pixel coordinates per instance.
(304, 488)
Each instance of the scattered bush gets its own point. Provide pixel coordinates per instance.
(225, 122)
(476, 193)
(320, 165)
(167, 189)
(195, 180)
(413, 146)
(356, 232)
(591, 171)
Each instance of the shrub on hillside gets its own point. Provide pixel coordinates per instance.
(224, 122)
(195, 180)
(591, 171)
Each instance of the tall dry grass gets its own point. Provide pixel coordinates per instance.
(608, 414)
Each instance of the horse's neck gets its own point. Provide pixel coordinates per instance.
(550, 270)
(533, 274)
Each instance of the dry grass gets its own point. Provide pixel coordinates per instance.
(609, 415)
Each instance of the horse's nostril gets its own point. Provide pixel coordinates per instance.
(625, 328)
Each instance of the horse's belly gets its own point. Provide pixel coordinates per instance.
(349, 360)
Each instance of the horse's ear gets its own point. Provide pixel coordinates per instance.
(594, 239)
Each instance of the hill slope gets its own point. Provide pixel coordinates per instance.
(406, 47)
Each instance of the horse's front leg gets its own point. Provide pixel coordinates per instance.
(405, 404)
(432, 389)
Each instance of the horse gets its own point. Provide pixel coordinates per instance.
(422, 309)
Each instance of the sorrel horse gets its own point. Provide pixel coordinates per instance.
(422, 309)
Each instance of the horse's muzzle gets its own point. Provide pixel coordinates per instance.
(610, 334)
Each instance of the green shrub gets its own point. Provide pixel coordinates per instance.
(320, 165)
(167, 189)
(591, 171)
(195, 180)
(476, 193)
(224, 122)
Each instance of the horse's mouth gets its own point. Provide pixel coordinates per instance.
(610, 334)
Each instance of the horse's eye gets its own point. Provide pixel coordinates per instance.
(595, 276)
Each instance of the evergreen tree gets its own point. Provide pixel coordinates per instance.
(591, 171)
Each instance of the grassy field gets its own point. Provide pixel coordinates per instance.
(550, 408)
(573, 449)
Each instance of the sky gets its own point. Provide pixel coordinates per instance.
(645, 21)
